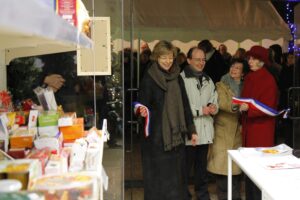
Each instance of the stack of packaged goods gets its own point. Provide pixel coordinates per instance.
(48, 143)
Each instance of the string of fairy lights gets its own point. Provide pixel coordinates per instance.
(293, 28)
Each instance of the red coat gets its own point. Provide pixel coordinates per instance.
(258, 129)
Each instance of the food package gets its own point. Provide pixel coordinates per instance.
(48, 131)
(78, 153)
(93, 157)
(67, 119)
(18, 153)
(32, 119)
(68, 186)
(22, 138)
(54, 143)
(76, 131)
(57, 164)
(46, 98)
(5, 101)
(23, 170)
(42, 155)
(48, 118)
(65, 155)
(53, 166)
(21, 117)
(4, 132)
(11, 116)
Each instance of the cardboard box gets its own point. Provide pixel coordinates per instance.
(67, 119)
(48, 131)
(54, 143)
(48, 118)
(18, 153)
(76, 131)
(22, 138)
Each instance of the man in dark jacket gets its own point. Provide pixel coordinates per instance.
(215, 66)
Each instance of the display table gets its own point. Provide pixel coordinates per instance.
(275, 184)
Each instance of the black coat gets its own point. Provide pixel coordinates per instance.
(216, 67)
(163, 171)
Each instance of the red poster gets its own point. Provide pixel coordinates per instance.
(67, 9)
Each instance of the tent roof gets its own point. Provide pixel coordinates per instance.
(189, 20)
(202, 19)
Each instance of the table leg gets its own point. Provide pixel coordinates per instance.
(229, 179)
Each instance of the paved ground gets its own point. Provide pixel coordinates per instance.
(113, 165)
(138, 193)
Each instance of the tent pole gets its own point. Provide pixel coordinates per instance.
(3, 71)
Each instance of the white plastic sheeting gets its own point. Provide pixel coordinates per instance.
(29, 28)
(31, 23)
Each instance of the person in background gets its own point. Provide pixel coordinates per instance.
(163, 157)
(226, 56)
(227, 130)
(59, 72)
(145, 62)
(275, 56)
(181, 58)
(202, 97)
(240, 54)
(258, 128)
(215, 66)
(286, 80)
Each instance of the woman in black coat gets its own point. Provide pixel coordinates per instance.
(162, 92)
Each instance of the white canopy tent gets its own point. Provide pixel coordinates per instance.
(201, 19)
(194, 20)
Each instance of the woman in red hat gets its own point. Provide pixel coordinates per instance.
(258, 128)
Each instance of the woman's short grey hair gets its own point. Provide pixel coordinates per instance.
(163, 47)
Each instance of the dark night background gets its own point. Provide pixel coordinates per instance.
(281, 8)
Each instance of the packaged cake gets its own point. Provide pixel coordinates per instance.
(70, 186)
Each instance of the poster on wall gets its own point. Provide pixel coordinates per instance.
(67, 9)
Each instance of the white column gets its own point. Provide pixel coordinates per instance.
(3, 77)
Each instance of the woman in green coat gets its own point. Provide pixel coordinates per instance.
(227, 130)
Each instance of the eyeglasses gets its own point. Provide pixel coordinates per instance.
(199, 59)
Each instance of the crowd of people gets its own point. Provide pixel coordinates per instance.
(193, 122)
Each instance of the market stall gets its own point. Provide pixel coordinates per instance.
(45, 149)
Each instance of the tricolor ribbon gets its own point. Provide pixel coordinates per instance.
(137, 107)
(256, 105)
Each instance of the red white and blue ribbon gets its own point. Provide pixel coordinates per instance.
(256, 105)
(137, 107)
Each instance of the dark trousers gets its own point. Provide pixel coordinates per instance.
(221, 181)
(252, 191)
(287, 129)
(196, 157)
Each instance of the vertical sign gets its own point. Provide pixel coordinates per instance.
(67, 9)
